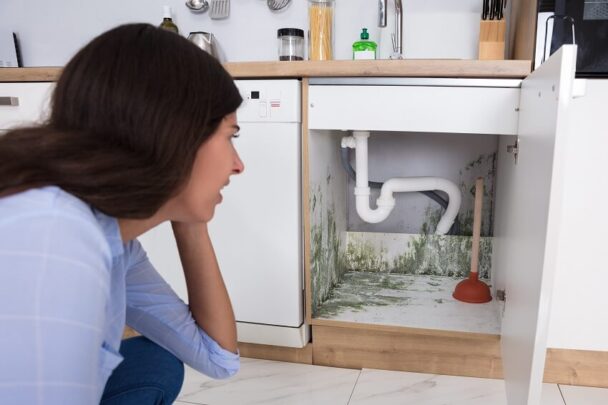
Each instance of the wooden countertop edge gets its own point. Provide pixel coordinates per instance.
(517, 69)
(383, 68)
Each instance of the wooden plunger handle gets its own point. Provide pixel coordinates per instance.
(476, 225)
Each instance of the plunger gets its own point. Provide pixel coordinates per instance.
(473, 290)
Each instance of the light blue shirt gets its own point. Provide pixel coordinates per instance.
(68, 284)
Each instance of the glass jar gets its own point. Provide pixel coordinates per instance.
(291, 43)
(321, 23)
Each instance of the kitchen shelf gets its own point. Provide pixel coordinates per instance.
(516, 69)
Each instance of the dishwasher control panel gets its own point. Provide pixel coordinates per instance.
(269, 100)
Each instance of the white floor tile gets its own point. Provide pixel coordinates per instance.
(271, 382)
(575, 395)
(551, 395)
(379, 387)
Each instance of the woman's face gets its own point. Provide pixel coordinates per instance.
(216, 160)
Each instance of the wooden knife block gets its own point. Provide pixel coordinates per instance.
(492, 39)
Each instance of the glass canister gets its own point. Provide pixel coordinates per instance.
(321, 24)
(291, 43)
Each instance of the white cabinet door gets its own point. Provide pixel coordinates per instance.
(22, 103)
(527, 223)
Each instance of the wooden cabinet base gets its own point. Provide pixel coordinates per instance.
(350, 345)
(577, 367)
(288, 354)
(406, 349)
(129, 332)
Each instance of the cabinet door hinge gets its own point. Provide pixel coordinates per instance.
(514, 149)
(500, 295)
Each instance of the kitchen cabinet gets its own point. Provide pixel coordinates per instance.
(530, 119)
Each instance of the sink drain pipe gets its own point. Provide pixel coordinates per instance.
(385, 203)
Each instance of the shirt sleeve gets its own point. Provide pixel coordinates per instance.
(154, 310)
(54, 272)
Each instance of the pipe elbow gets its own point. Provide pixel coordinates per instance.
(414, 184)
(372, 216)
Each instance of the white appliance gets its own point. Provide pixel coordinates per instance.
(257, 229)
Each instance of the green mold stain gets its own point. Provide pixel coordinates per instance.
(423, 254)
(327, 257)
(360, 290)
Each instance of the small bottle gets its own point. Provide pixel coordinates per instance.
(168, 23)
(364, 49)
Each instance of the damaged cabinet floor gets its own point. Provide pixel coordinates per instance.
(273, 382)
(415, 301)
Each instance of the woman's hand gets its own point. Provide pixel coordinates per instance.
(207, 295)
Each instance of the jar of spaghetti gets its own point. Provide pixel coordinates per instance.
(321, 19)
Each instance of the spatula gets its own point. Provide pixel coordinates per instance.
(219, 9)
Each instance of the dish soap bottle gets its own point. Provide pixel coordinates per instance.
(168, 23)
(364, 49)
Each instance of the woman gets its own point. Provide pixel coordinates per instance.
(140, 133)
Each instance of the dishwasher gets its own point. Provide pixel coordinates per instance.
(257, 229)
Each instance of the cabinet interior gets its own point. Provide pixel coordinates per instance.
(398, 272)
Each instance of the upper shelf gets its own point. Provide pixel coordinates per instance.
(517, 69)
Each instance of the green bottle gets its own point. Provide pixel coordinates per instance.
(364, 49)
(167, 22)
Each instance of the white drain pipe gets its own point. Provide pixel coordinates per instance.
(386, 202)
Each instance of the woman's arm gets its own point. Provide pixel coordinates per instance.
(207, 295)
(155, 311)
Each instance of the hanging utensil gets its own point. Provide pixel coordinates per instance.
(276, 5)
(220, 9)
(197, 6)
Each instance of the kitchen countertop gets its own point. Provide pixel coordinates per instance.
(517, 69)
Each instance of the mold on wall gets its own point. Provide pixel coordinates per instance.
(327, 248)
(422, 254)
(327, 202)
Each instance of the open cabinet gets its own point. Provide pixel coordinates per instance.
(528, 122)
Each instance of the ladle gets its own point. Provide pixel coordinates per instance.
(198, 6)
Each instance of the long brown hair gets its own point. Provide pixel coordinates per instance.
(128, 114)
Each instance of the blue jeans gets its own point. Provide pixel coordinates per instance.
(148, 375)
